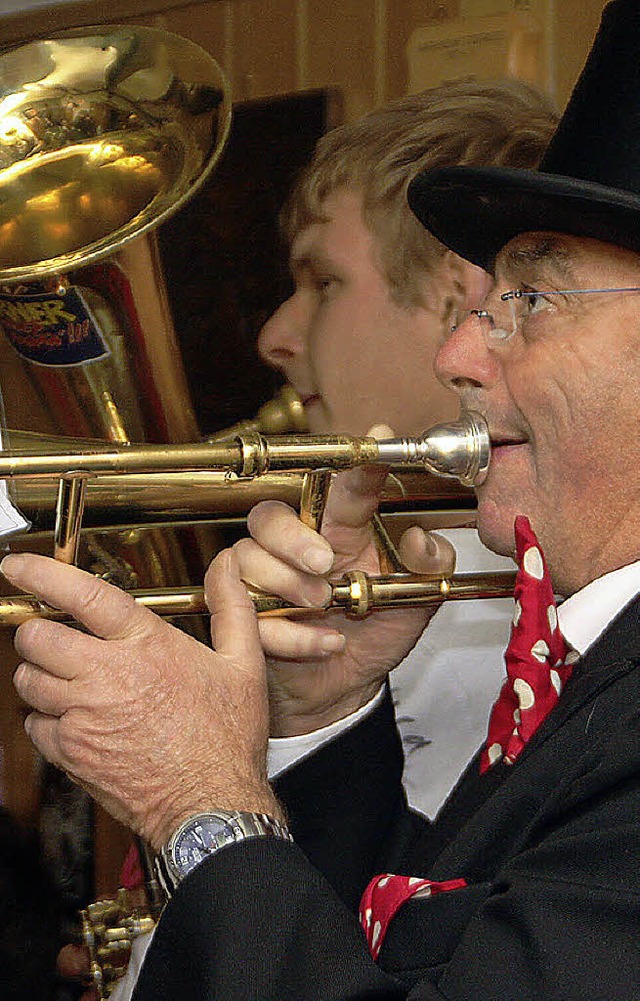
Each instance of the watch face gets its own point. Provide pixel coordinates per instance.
(199, 839)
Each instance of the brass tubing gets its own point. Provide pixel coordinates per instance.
(248, 455)
(144, 498)
(459, 449)
(69, 510)
(313, 497)
(389, 555)
(288, 452)
(357, 593)
(285, 412)
(128, 459)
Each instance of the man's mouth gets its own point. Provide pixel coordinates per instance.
(500, 441)
(504, 446)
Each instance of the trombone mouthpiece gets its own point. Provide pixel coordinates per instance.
(459, 449)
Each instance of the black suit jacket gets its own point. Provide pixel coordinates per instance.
(549, 848)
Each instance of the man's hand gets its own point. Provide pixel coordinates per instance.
(153, 724)
(323, 668)
(74, 965)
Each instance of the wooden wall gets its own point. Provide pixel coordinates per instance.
(272, 47)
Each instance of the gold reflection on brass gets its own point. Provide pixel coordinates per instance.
(103, 133)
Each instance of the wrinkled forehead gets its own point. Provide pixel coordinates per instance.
(563, 260)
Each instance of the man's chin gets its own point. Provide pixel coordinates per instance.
(495, 528)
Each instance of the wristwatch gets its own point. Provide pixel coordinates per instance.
(206, 833)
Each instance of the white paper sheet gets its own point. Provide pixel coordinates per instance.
(11, 519)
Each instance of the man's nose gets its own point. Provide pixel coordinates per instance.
(281, 339)
(463, 360)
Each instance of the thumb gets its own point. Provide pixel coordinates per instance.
(426, 552)
(234, 623)
(355, 494)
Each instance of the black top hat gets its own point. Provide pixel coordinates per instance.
(588, 183)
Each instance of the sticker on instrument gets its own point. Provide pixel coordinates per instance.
(52, 328)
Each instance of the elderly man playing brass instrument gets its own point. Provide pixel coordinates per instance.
(372, 298)
(527, 885)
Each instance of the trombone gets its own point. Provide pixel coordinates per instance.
(455, 449)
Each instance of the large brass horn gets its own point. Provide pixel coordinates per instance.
(104, 133)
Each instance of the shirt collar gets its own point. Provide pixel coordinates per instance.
(587, 613)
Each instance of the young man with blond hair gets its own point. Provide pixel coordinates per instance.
(374, 296)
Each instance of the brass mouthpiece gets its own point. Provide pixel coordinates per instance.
(459, 449)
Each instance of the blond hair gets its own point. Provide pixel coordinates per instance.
(500, 122)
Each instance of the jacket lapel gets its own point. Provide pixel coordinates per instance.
(486, 817)
(614, 653)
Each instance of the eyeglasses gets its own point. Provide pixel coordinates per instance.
(518, 307)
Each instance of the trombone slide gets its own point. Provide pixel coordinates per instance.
(356, 593)
(458, 449)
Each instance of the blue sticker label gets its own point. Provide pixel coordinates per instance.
(52, 329)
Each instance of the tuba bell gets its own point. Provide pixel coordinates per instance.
(104, 133)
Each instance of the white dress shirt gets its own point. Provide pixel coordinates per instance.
(587, 613)
(582, 618)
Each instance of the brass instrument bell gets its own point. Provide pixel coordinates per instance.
(104, 132)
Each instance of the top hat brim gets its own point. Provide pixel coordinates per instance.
(475, 211)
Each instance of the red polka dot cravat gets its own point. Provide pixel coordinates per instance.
(539, 662)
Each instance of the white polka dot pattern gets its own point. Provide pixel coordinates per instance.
(532, 563)
(538, 661)
(524, 691)
(540, 651)
(386, 894)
